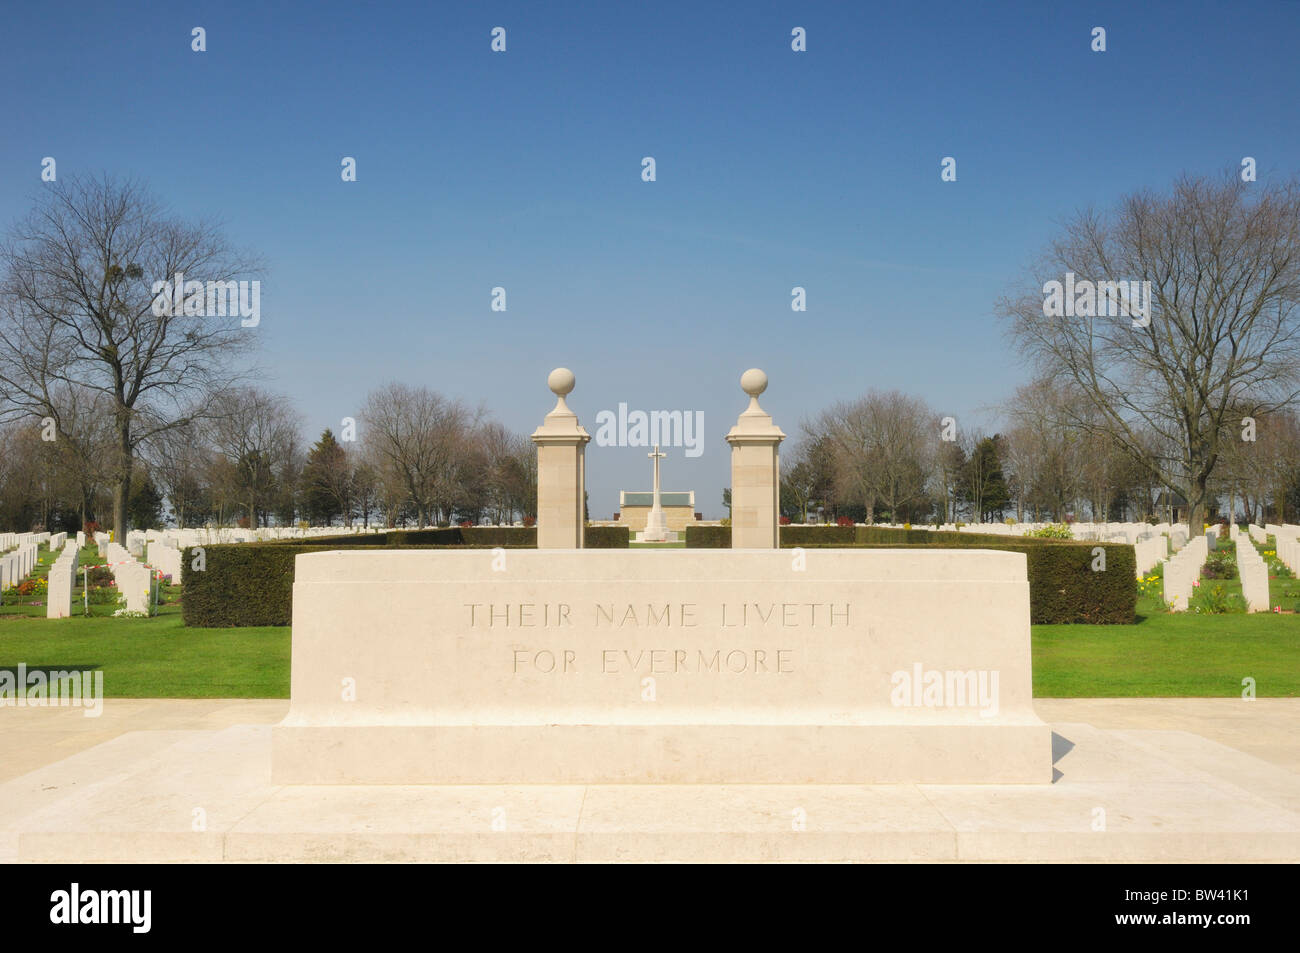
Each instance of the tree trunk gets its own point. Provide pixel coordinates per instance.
(122, 491)
(1196, 507)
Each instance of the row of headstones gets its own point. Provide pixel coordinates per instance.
(18, 565)
(1251, 567)
(12, 540)
(1287, 539)
(1150, 549)
(1001, 529)
(62, 580)
(1182, 571)
(1151, 543)
(1149, 552)
(137, 541)
(161, 549)
(163, 556)
(1105, 532)
(1253, 572)
(132, 578)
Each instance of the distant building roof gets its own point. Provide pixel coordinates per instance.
(637, 498)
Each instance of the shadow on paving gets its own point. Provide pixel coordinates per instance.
(1061, 746)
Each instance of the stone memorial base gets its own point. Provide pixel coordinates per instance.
(633, 667)
(666, 536)
(1119, 796)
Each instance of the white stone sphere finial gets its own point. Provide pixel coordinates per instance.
(561, 381)
(753, 382)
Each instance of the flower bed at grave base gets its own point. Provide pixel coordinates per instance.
(251, 584)
(1063, 587)
(31, 590)
(1151, 585)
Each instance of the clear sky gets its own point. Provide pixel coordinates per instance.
(522, 169)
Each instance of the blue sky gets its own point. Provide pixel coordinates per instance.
(522, 170)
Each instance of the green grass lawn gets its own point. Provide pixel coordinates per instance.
(1170, 654)
(156, 657)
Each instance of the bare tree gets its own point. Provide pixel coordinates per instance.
(798, 481)
(510, 477)
(365, 485)
(884, 444)
(78, 306)
(1219, 340)
(257, 433)
(24, 461)
(418, 438)
(179, 458)
(85, 441)
(949, 463)
(1259, 464)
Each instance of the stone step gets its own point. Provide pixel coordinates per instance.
(1166, 796)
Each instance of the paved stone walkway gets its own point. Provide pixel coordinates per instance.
(1136, 780)
(33, 737)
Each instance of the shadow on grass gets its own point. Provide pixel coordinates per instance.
(30, 667)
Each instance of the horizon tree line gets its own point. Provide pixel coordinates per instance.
(1188, 402)
(248, 465)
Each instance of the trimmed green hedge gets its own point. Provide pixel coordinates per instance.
(888, 534)
(606, 537)
(1062, 586)
(499, 536)
(397, 539)
(816, 535)
(246, 584)
(241, 584)
(719, 537)
(708, 537)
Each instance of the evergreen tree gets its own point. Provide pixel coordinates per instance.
(144, 508)
(327, 482)
(983, 485)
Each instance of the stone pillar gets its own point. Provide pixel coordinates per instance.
(561, 470)
(755, 471)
